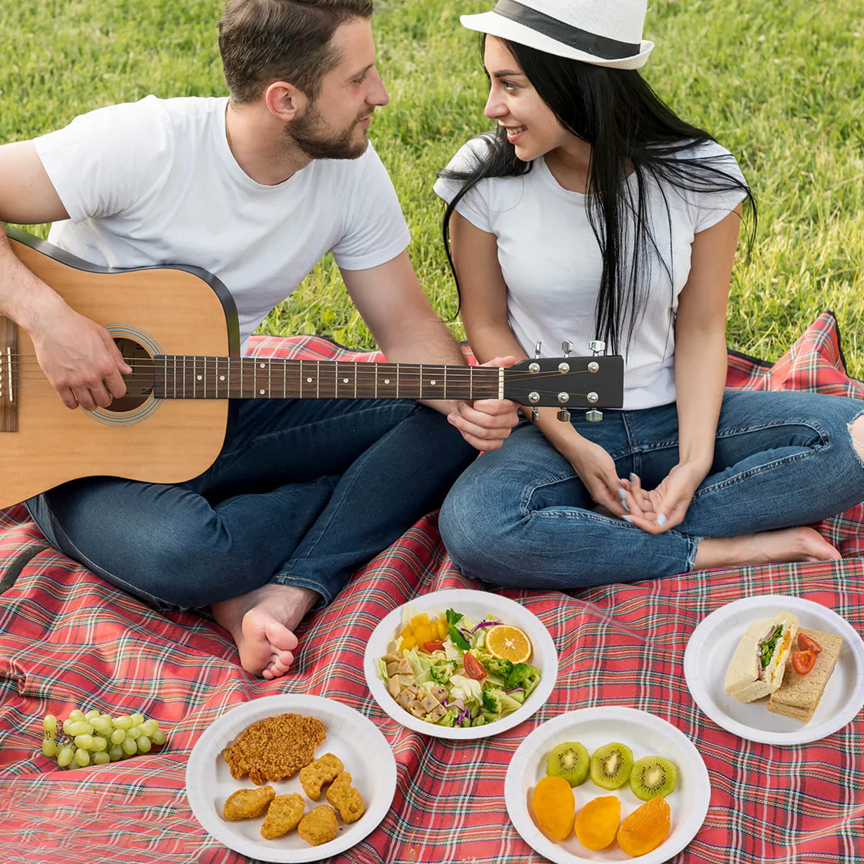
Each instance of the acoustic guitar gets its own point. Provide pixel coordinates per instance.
(177, 329)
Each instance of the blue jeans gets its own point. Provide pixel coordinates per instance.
(305, 492)
(521, 517)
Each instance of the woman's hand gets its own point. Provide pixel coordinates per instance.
(596, 469)
(663, 508)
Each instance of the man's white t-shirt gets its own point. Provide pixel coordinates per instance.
(154, 182)
(552, 264)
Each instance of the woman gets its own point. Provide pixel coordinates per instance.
(594, 212)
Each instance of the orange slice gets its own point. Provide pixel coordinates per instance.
(508, 643)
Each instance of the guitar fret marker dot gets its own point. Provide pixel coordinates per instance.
(263, 366)
(221, 377)
(386, 380)
(344, 380)
(261, 392)
(433, 383)
(200, 377)
(308, 380)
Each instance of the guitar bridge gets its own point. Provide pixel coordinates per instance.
(9, 363)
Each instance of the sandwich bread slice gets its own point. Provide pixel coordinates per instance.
(798, 695)
(759, 661)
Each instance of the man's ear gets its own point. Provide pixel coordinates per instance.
(284, 100)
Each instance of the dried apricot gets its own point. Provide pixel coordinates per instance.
(645, 828)
(554, 806)
(597, 822)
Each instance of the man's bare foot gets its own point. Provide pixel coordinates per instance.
(766, 547)
(262, 624)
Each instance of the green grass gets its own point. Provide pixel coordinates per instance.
(778, 82)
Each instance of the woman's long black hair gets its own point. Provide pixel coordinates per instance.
(628, 128)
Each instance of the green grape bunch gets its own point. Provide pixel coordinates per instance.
(96, 739)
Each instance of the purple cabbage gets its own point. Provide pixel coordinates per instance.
(514, 689)
(485, 624)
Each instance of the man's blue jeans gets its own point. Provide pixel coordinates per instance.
(305, 492)
(521, 517)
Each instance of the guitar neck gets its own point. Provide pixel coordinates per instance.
(180, 376)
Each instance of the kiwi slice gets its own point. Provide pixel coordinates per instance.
(653, 777)
(611, 764)
(570, 761)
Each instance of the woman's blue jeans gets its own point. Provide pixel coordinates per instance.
(304, 493)
(521, 517)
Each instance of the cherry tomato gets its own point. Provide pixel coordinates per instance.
(473, 667)
(805, 643)
(803, 661)
(433, 646)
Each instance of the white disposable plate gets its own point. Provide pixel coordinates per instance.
(477, 605)
(645, 735)
(363, 750)
(709, 653)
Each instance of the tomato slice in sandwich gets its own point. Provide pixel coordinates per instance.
(803, 661)
(805, 643)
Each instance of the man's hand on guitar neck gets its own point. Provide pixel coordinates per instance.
(80, 359)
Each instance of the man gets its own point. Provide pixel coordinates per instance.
(255, 188)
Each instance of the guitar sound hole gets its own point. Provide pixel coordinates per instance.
(139, 385)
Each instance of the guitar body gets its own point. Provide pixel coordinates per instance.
(160, 440)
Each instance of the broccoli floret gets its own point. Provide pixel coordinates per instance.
(499, 668)
(525, 676)
(442, 672)
(491, 702)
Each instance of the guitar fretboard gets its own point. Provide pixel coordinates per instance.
(198, 377)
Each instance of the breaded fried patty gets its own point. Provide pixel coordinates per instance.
(319, 825)
(275, 748)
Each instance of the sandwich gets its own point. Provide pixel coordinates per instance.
(799, 694)
(759, 661)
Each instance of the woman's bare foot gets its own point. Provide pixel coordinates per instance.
(262, 624)
(767, 547)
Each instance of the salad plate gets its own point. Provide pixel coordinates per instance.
(481, 611)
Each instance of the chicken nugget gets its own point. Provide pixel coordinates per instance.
(284, 815)
(345, 798)
(275, 748)
(248, 803)
(319, 825)
(321, 771)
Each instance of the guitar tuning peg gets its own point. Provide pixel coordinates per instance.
(596, 346)
(537, 346)
(535, 414)
(564, 415)
(593, 416)
(566, 347)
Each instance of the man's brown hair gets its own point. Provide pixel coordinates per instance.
(281, 40)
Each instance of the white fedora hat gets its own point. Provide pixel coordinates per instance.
(602, 32)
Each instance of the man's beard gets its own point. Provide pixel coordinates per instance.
(305, 132)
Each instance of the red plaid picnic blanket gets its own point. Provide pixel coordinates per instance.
(68, 639)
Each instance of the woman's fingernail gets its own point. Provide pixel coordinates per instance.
(452, 417)
(622, 494)
(627, 519)
(634, 478)
(661, 520)
(625, 506)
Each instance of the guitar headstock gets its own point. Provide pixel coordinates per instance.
(568, 383)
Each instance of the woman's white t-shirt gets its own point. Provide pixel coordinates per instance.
(154, 183)
(552, 264)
